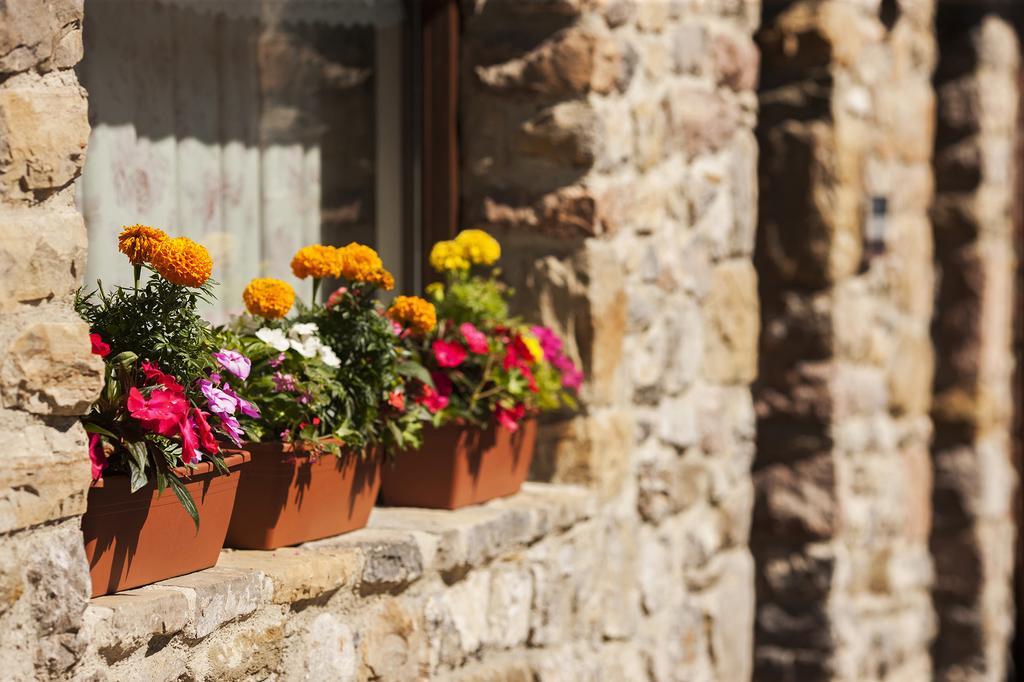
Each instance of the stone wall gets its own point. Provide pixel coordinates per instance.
(975, 480)
(842, 511)
(47, 374)
(610, 145)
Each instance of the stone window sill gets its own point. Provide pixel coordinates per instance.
(398, 549)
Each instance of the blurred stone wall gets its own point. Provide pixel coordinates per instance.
(843, 478)
(973, 540)
(47, 374)
(610, 146)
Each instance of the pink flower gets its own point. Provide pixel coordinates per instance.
(509, 419)
(277, 362)
(336, 296)
(155, 375)
(475, 339)
(448, 353)
(234, 362)
(283, 383)
(219, 401)
(163, 412)
(518, 356)
(197, 419)
(96, 455)
(432, 400)
(189, 444)
(549, 342)
(572, 377)
(99, 346)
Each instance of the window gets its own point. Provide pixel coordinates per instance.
(258, 126)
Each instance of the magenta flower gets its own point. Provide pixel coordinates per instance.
(244, 406)
(475, 339)
(572, 377)
(231, 428)
(163, 412)
(509, 419)
(234, 362)
(448, 353)
(96, 455)
(549, 342)
(432, 400)
(277, 362)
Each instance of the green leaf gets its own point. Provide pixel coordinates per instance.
(183, 496)
(96, 428)
(138, 476)
(416, 371)
(125, 359)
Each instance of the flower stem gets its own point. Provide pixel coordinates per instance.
(137, 271)
(316, 288)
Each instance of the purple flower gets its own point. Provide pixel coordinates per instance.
(278, 361)
(215, 377)
(303, 399)
(572, 377)
(232, 428)
(283, 383)
(234, 362)
(244, 406)
(218, 401)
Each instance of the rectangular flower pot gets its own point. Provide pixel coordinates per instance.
(287, 497)
(459, 466)
(134, 539)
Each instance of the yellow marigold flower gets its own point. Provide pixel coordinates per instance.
(448, 255)
(360, 263)
(183, 262)
(317, 261)
(533, 345)
(139, 242)
(479, 247)
(435, 290)
(268, 297)
(415, 313)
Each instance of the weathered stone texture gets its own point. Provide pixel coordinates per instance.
(978, 91)
(47, 373)
(842, 513)
(610, 146)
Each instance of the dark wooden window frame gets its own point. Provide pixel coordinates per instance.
(432, 126)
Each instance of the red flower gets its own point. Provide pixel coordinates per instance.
(475, 339)
(448, 353)
(198, 419)
(316, 421)
(155, 375)
(519, 357)
(510, 419)
(432, 400)
(442, 383)
(396, 399)
(189, 443)
(163, 413)
(99, 346)
(96, 455)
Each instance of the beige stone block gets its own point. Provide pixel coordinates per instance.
(42, 255)
(392, 641)
(593, 451)
(49, 368)
(327, 650)
(910, 374)
(297, 575)
(47, 35)
(118, 624)
(43, 133)
(249, 649)
(731, 324)
(730, 605)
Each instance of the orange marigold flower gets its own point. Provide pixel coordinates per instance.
(317, 261)
(415, 313)
(268, 297)
(140, 242)
(183, 262)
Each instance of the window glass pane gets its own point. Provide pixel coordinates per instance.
(254, 127)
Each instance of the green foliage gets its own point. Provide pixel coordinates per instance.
(473, 298)
(157, 322)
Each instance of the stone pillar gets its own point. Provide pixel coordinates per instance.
(47, 374)
(842, 474)
(975, 174)
(609, 144)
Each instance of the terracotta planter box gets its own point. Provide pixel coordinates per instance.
(287, 498)
(458, 466)
(137, 539)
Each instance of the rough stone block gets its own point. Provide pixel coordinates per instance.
(217, 596)
(49, 369)
(46, 35)
(731, 324)
(43, 133)
(119, 624)
(296, 575)
(42, 255)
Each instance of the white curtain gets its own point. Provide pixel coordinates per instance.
(177, 109)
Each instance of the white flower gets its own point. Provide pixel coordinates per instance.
(329, 357)
(274, 338)
(307, 348)
(301, 331)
